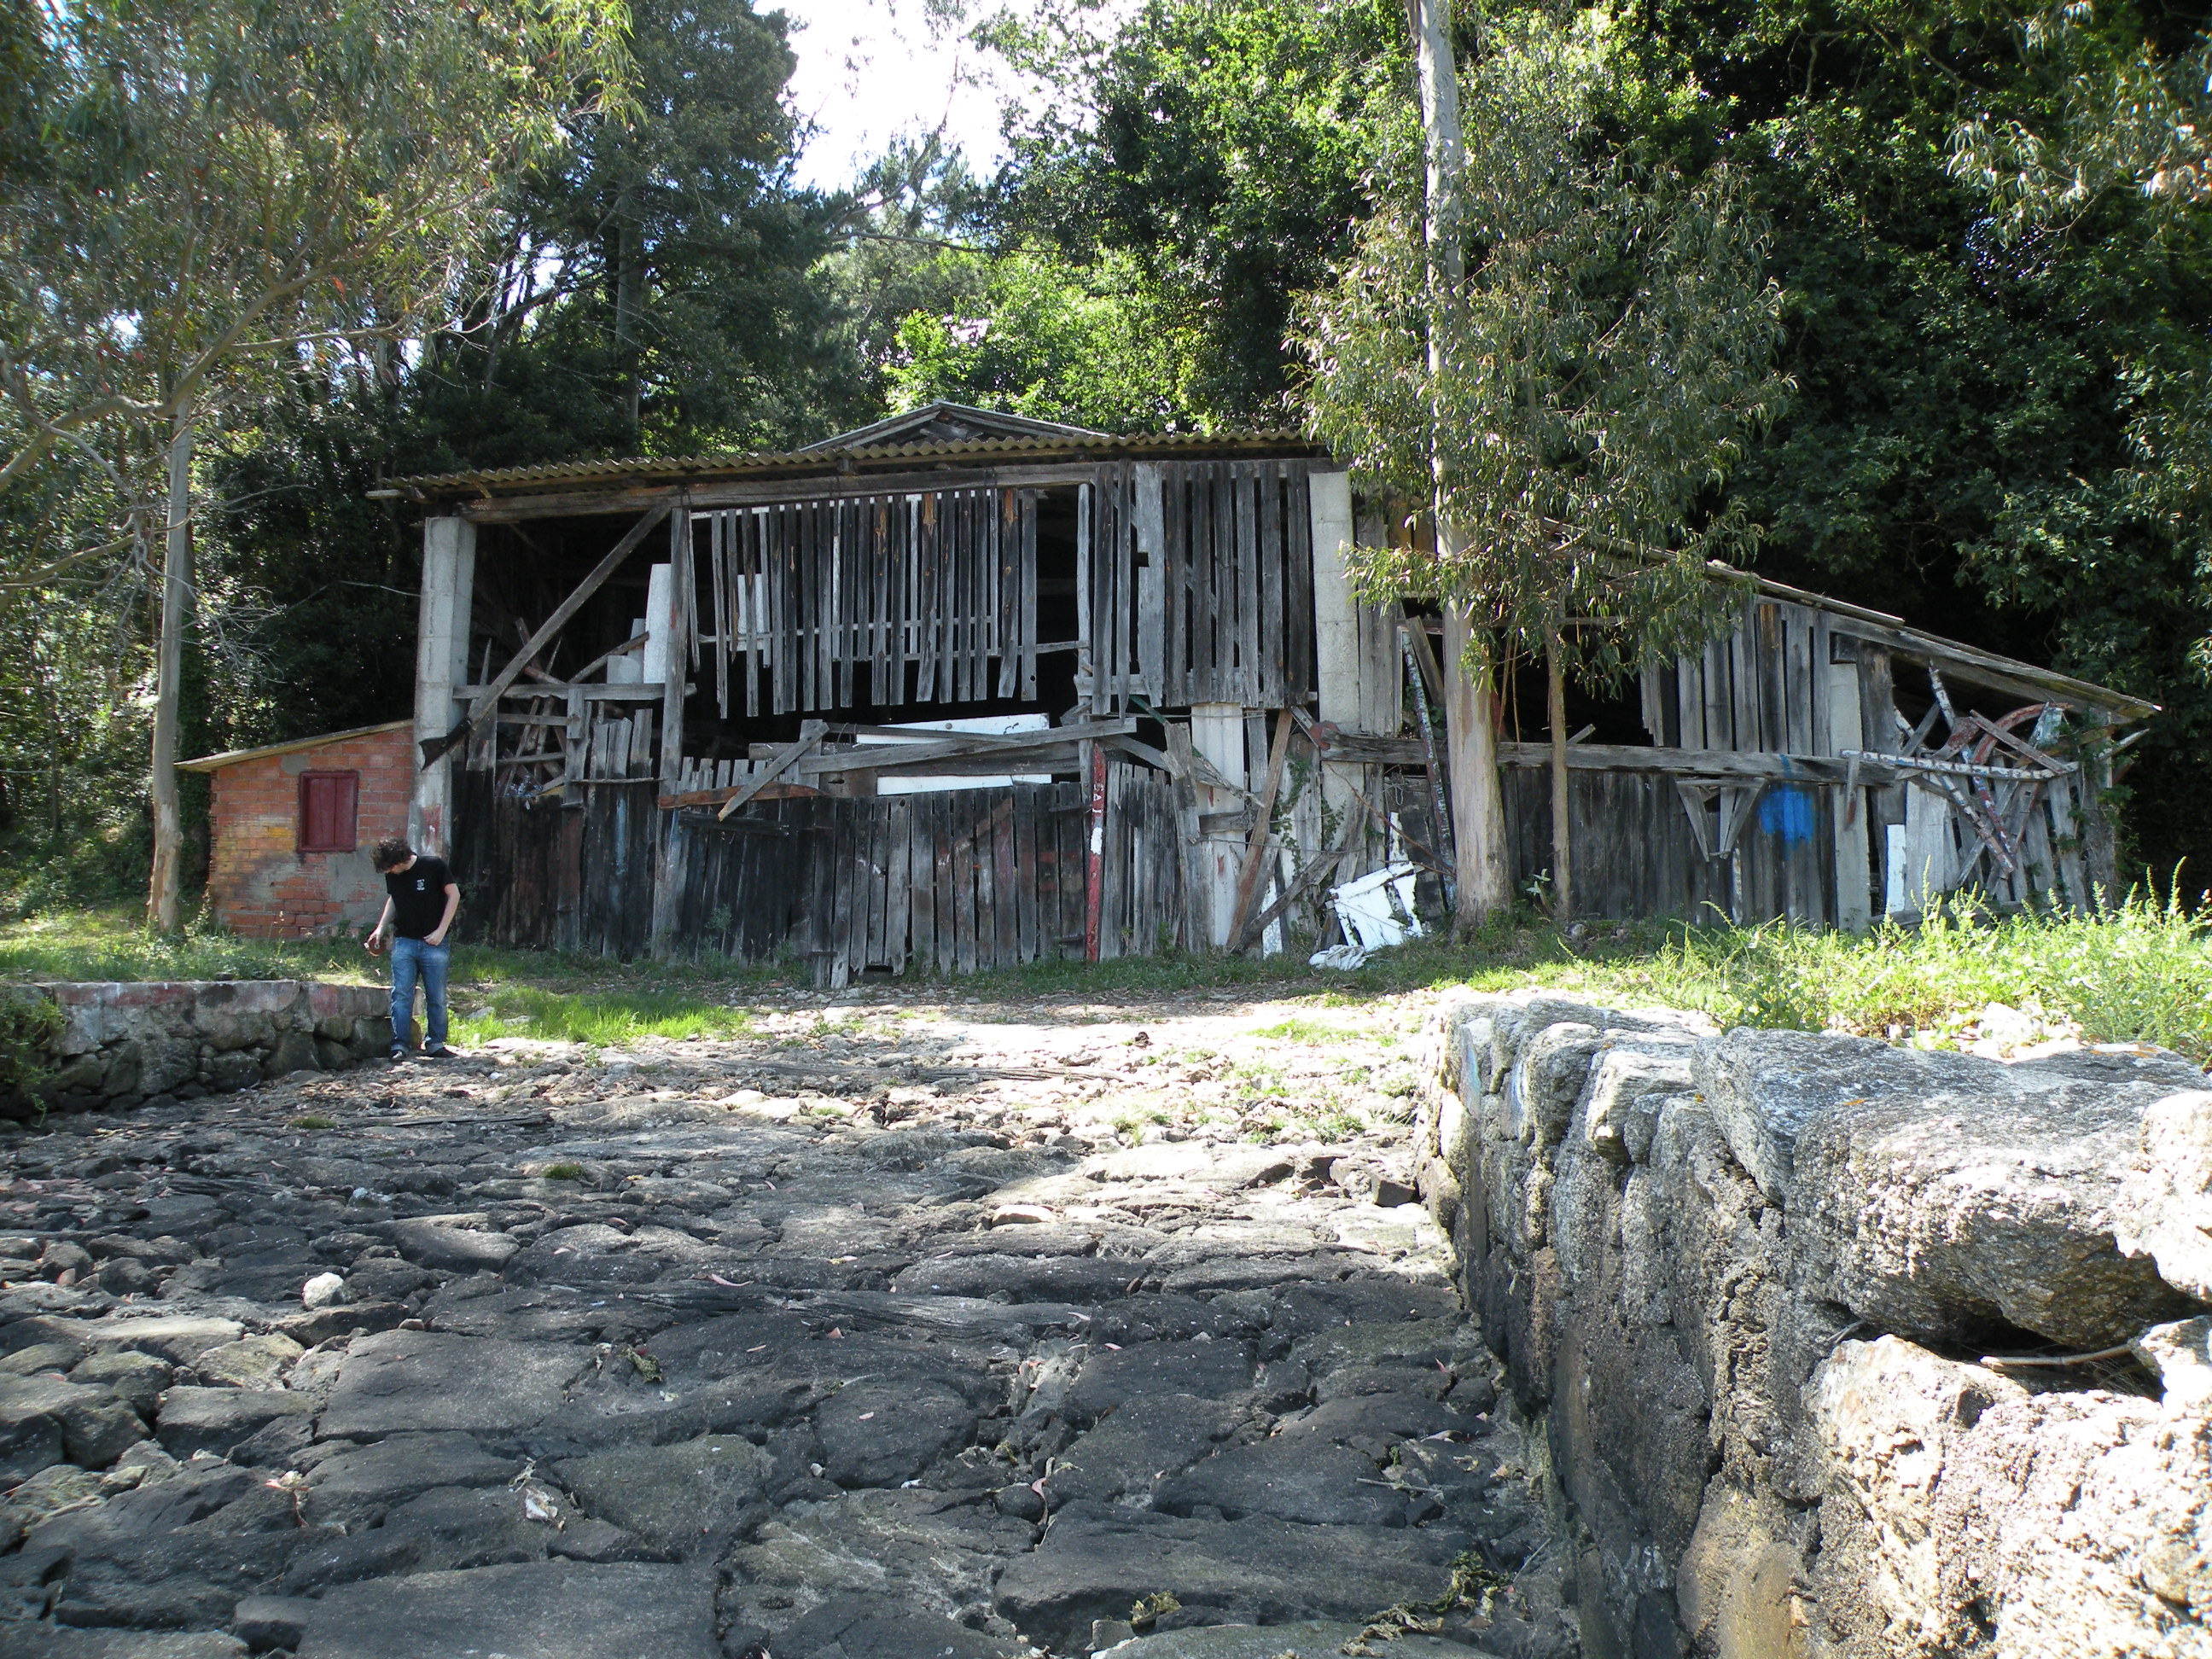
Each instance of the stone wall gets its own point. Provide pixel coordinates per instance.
(125, 1044)
(1747, 1284)
(259, 884)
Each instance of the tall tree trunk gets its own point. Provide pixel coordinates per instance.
(1555, 707)
(161, 895)
(1484, 862)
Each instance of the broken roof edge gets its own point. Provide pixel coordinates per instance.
(674, 472)
(1969, 662)
(232, 757)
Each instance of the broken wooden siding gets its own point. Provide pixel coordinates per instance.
(823, 604)
(1199, 585)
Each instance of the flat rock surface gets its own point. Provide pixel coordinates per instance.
(1307, 1639)
(906, 1327)
(556, 1611)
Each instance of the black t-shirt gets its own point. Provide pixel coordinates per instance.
(418, 897)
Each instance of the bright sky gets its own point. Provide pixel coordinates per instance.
(870, 70)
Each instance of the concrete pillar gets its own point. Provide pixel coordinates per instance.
(441, 651)
(660, 625)
(1337, 653)
(1854, 894)
(1217, 732)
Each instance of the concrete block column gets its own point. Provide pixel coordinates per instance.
(441, 650)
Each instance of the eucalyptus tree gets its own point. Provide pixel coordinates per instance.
(1570, 398)
(217, 190)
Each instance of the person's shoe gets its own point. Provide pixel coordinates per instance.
(438, 1052)
(399, 1054)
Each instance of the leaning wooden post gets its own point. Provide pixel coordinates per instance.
(668, 885)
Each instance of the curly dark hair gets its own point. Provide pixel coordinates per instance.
(390, 853)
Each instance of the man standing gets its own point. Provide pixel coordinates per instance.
(420, 899)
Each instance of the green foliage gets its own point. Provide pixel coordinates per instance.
(29, 1024)
(2124, 114)
(1042, 340)
(1215, 152)
(1575, 398)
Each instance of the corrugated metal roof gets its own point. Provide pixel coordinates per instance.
(690, 469)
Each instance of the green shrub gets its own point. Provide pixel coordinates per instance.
(29, 1026)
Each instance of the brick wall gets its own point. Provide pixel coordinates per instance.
(260, 882)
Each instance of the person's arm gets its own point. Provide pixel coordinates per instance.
(437, 935)
(377, 935)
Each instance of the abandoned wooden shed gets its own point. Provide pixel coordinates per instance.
(962, 690)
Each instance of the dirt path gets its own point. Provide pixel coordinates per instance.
(907, 1327)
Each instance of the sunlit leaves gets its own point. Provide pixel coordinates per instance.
(1577, 400)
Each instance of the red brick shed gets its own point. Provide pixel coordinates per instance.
(291, 825)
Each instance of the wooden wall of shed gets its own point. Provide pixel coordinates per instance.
(1636, 855)
(954, 882)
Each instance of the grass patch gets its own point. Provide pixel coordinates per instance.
(2139, 973)
(312, 1122)
(562, 1172)
(112, 944)
(1305, 1030)
(602, 1018)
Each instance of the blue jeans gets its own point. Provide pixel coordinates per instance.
(411, 958)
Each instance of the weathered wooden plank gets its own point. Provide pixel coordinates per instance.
(983, 520)
(949, 821)
(963, 883)
(813, 661)
(1026, 608)
(848, 580)
(1024, 831)
(1198, 682)
(1300, 684)
(1007, 543)
(1086, 667)
(873, 882)
(1719, 700)
(1771, 641)
(1105, 557)
(1007, 881)
(1743, 690)
(922, 884)
(1250, 617)
(1174, 586)
(1268, 541)
(963, 606)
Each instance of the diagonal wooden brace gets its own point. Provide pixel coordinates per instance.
(488, 698)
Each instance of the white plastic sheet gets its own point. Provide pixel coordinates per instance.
(1377, 909)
